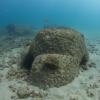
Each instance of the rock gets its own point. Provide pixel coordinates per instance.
(39, 93)
(55, 57)
(91, 92)
(17, 73)
(74, 97)
(35, 93)
(23, 92)
(14, 98)
(51, 70)
(13, 88)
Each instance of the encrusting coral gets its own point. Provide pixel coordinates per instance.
(55, 57)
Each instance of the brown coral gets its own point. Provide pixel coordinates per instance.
(56, 56)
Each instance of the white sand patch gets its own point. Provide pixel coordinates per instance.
(5, 93)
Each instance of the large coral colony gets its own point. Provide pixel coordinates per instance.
(55, 57)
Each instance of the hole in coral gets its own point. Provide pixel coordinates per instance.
(48, 67)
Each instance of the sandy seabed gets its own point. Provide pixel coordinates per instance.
(15, 82)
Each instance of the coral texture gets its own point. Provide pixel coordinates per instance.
(55, 56)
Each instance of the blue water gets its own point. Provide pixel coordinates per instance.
(83, 15)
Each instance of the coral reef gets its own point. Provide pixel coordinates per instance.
(55, 56)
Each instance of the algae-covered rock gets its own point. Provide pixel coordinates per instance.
(56, 56)
(51, 70)
(23, 92)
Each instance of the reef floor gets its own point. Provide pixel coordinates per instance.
(15, 83)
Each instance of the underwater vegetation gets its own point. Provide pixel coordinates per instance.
(55, 57)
